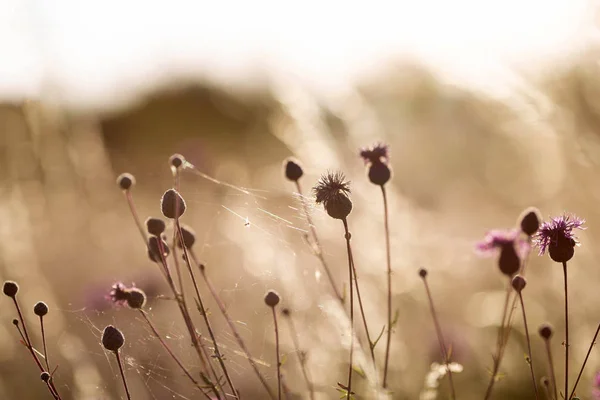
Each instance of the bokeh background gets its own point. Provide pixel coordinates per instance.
(488, 108)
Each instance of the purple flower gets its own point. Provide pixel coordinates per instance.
(496, 239)
(119, 294)
(556, 236)
(378, 153)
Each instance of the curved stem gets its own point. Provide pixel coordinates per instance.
(566, 331)
(585, 362)
(122, 374)
(277, 351)
(528, 346)
(389, 286)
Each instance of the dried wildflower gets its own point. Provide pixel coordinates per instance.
(136, 298)
(119, 294)
(556, 236)
(545, 331)
(519, 283)
(377, 157)
(189, 237)
(378, 153)
(172, 204)
(112, 338)
(529, 221)
(271, 298)
(333, 192)
(176, 160)
(155, 226)
(293, 169)
(126, 181)
(510, 246)
(40, 309)
(10, 288)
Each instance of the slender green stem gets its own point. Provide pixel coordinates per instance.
(535, 389)
(389, 285)
(122, 375)
(278, 357)
(350, 273)
(566, 331)
(440, 336)
(585, 362)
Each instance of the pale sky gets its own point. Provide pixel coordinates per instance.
(93, 52)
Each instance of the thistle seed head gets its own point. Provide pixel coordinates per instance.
(112, 338)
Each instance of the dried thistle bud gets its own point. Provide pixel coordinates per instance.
(126, 181)
(10, 288)
(379, 173)
(509, 261)
(172, 204)
(40, 309)
(546, 331)
(332, 191)
(136, 298)
(530, 220)
(519, 283)
(15, 322)
(45, 376)
(293, 170)
(155, 245)
(176, 160)
(271, 298)
(189, 237)
(422, 273)
(112, 338)
(155, 226)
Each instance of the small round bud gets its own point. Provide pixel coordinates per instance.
(40, 309)
(286, 312)
(519, 283)
(155, 245)
(155, 226)
(293, 170)
(172, 204)
(176, 160)
(10, 288)
(339, 207)
(126, 181)
(545, 381)
(271, 298)
(112, 338)
(422, 273)
(509, 261)
(45, 376)
(189, 237)
(562, 249)
(530, 221)
(546, 331)
(15, 322)
(379, 173)
(136, 298)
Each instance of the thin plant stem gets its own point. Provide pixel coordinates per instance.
(547, 392)
(44, 343)
(440, 336)
(173, 356)
(301, 357)
(537, 396)
(508, 324)
(551, 366)
(585, 362)
(350, 273)
(205, 314)
(316, 245)
(566, 330)
(232, 326)
(135, 215)
(389, 285)
(122, 375)
(277, 351)
(358, 296)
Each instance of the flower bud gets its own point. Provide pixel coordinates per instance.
(189, 237)
(136, 298)
(126, 181)
(40, 309)
(293, 170)
(519, 283)
(509, 261)
(422, 273)
(271, 298)
(155, 226)
(530, 221)
(10, 288)
(112, 338)
(379, 173)
(172, 204)
(546, 331)
(176, 160)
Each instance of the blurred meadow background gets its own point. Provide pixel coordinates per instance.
(488, 108)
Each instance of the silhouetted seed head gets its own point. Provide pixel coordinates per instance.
(379, 173)
(378, 153)
(40, 309)
(45, 376)
(333, 192)
(519, 283)
(176, 160)
(530, 220)
(509, 261)
(293, 169)
(15, 322)
(546, 331)
(119, 293)
(154, 249)
(126, 181)
(136, 298)
(558, 238)
(172, 204)
(286, 312)
(422, 273)
(112, 338)
(10, 288)
(189, 237)
(271, 298)
(155, 226)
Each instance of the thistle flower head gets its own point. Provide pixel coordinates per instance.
(378, 153)
(40, 309)
(119, 294)
(509, 245)
(556, 236)
(333, 191)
